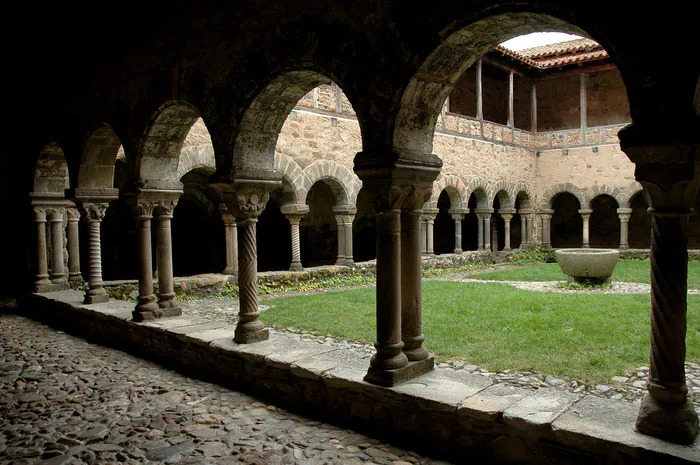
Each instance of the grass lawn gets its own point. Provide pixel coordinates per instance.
(585, 337)
(628, 271)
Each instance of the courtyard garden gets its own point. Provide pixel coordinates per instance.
(589, 336)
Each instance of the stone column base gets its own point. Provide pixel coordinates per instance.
(296, 266)
(458, 251)
(389, 378)
(676, 423)
(244, 335)
(95, 299)
(52, 287)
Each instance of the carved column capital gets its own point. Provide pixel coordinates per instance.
(39, 214)
(585, 212)
(246, 198)
(94, 211)
(73, 214)
(226, 215)
(507, 216)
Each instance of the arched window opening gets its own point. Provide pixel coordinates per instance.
(604, 223)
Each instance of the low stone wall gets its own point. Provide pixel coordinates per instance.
(205, 285)
(445, 413)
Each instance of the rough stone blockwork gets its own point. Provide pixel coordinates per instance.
(449, 413)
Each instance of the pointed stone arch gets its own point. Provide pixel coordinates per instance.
(343, 183)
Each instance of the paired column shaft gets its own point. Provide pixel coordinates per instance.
(147, 308)
(58, 274)
(348, 243)
(523, 230)
(487, 232)
(231, 240)
(480, 232)
(74, 274)
(411, 293)
(586, 215)
(42, 272)
(506, 232)
(164, 258)
(429, 228)
(458, 233)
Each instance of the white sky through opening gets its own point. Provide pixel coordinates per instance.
(537, 39)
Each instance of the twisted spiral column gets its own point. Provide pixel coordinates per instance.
(666, 411)
(296, 248)
(42, 272)
(249, 328)
(94, 214)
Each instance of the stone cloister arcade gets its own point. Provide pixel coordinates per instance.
(396, 167)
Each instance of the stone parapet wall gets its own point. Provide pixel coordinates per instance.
(452, 414)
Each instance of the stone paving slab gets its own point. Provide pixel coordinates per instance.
(333, 385)
(490, 403)
(595, 421)
(539, 409)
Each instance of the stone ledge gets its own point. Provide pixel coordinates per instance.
(445, 413)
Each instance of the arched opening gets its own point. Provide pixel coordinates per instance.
(567, 223)
(198, 234)
(273, 233)
(444, 229)
(365, 228)
(639, 235)
(604, 223)
(318, 228)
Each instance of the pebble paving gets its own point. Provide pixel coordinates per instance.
(66, 401)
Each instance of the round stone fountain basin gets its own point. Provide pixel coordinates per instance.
(586, 264)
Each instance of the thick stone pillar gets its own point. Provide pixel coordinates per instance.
(458, 232)
(668, 172)
(164, 256)
(624, 214)
(231, 241)
(411, 277)
(93, 214)
(246, 198)
(586, 215)
(73, 239)
(397, 188)
(294, 213)
(147, 308)
(546, 215)
(58, 272)
(507, 215)
(42, 269)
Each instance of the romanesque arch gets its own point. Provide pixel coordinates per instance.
(51, 171)
(340, 179)
(293, 178)
(567, 222)
(424, 95)
(197, 150)
(480, 190)
(163, 140)
(604, 221)
(456, 189)
(98, 158)
(551, 192)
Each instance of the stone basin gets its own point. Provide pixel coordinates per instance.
(580, 265)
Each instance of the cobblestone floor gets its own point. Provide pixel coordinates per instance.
(66, 401)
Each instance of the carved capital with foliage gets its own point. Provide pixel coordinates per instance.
(94, 211)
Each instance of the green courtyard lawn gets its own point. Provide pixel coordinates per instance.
(586, 337)
(627, 271)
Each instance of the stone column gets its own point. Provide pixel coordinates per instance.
(480, 231)
(94, 213)
(246, 198)
(42, 269)
(668, 173)
(58, 272)
(546, 215)
(231, 241)
(73, 239)
(429, 214)
(424, 235)
(523, 230)
(586, 215)
(348, 240)
(624, 214)
(507, 215)
(411, 277)
(294, 213)
(147, 308)
(487, 232)
(458, 232)
(164, 257)
(340, 225)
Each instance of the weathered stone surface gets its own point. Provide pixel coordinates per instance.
(539, 409)
(490, 403)
(445, 390)
(315, 367)
(284, 359)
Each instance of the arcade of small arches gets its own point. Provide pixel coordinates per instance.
(394, 203)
